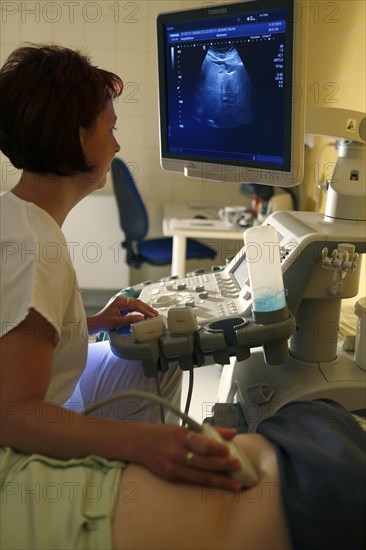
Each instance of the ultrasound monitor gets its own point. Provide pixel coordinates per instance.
(231, 92)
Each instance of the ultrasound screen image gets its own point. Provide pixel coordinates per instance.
(224, 95)
(226, 90)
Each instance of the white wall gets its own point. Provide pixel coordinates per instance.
(94, 240)
(335, 77)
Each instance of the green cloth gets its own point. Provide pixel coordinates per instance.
(49, 504)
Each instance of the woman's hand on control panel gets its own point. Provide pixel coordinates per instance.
(120, 311)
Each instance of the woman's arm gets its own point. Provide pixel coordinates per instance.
(31, 425)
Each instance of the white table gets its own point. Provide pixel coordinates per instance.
(179, 222)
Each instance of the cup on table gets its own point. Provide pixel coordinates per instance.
(236, 215)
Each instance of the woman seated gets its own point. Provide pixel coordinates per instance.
(71, 481)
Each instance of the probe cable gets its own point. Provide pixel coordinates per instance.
(158, 391)
(193, 425)
(189, 393)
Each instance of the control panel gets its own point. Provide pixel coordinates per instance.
(211, 295)
(222, 293)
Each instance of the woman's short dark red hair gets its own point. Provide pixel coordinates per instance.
(47, 92)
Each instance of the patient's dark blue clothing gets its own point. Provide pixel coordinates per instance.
(321, 454)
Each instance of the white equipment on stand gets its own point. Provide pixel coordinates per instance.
(320, 261)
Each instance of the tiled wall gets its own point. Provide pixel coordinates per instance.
(121, 37)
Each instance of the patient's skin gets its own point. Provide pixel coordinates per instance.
(166, 516)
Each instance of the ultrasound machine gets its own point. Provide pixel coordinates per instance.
(232, 109)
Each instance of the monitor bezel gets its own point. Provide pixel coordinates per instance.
(237, 172)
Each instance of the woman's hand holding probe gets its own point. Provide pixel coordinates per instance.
(118, 312)
(178, 454)
(171, 452)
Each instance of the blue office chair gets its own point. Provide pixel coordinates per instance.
(135, 224)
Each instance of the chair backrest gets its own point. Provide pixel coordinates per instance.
(132, 212)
